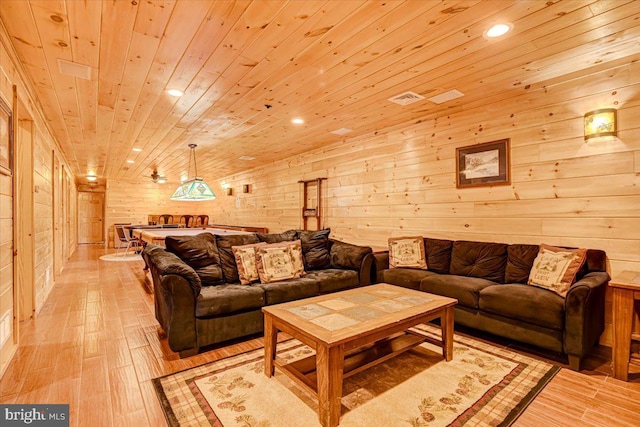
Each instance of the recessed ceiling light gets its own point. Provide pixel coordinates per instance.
(247, 158)
(498, 30)
(297, 121)
(137, 150)
(175, 92)
(130, 161)
(91, 178)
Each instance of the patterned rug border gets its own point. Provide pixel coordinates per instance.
(291, 344)
(526, 401)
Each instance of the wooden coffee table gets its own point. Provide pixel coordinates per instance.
(352, 331)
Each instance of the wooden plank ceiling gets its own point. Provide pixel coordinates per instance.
(248, 67)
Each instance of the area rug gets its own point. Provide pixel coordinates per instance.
(482, 385)
(131, 256)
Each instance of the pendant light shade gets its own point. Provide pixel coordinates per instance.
(195, 189)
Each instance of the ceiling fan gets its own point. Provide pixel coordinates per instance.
(157, 178)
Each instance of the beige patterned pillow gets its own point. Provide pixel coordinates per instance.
(276, 262)
(407, 252)
(296, 255)
(245, 256)
(556, 269)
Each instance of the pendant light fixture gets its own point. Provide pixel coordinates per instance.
(193, 190)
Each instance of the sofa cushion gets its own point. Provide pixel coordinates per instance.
(210, 275)
(290, 290)
(438, 254)
(527, 303)
(405, 277)
(227, 260)
(245, 256)
(334, 279)
(479, 259)
(200, 252)
(556, 269)
(315, 248)
(348, 256)
(465, 289)
(407, 252)
(228, 298)
(286, 236)
(519, 262)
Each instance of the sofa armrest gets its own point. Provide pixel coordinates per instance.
(584, 313)
(176, 288)
(381, 262)
(352, 257)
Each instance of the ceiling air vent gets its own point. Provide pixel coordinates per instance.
(446, 96)
(406, 98)
(74, 69)
(341, 131)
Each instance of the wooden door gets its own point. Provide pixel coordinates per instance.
(90, 212)
(24, 221)
(8, 293)
(58, 254)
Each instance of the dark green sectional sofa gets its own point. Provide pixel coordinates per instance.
(199, 300)
(489, 282)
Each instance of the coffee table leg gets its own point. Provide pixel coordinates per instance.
(446, 324)
(329, 365)
(270, 341)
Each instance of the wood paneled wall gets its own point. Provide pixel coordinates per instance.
(44, 147)
(129, 202)
(401, 181)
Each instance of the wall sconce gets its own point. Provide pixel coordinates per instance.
(245, 188)
(599, 123)
(229, 191)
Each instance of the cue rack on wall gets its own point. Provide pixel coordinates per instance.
(311, 202)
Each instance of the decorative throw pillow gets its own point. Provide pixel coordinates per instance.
(227, 260)
(555, 268)
(407, 252)
(275, 263)
(296, 255)
(245, 256)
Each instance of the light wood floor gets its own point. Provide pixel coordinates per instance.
(95, 346)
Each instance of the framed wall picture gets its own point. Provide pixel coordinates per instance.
(6, 139)
(483, 164)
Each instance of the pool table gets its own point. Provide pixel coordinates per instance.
(156, 236)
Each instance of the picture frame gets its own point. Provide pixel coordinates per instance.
(483, 164)
(6, 139)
